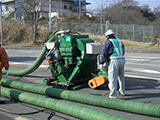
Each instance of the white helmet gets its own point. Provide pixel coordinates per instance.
(109, 32)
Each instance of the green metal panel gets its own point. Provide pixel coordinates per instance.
(73, 50)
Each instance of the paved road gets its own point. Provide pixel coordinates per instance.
(142, 85)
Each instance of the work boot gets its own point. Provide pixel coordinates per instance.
(2, 102)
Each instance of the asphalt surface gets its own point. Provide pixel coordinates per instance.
(142, 86)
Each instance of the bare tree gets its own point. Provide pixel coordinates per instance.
(156, 22)
(125, 13)
(147, 13)
(101, 5)
(157, 12)
(129, 4)
(30, 10)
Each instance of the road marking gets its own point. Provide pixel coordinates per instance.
(27, 64)
(139, 60)
(148, 78)
(152, 58)
(142, 64)
(142, 80)
(142, 58)
(143, 70)
(21, 118)
(155, 82)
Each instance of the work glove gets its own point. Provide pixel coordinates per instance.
(100, 66)
(7, 72)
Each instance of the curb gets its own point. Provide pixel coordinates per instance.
(25, 48)
(127, 50)
(141, 51)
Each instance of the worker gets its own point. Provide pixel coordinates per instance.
(113, 52)
(3, 63)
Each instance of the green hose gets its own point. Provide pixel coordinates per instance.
(58, 105)
(36, 63)
(124, 105)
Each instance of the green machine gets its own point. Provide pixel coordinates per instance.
(72, 59)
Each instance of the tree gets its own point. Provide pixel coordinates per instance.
(129, 4)
(30, 10)
(157, 12)
(156, 22)
(101, 5)
(125, 12)
(147, 13)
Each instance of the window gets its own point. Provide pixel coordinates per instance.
(65, 6)
(70, 7)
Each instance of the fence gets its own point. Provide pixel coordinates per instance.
(138, 33)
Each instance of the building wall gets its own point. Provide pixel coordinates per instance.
(63, 7)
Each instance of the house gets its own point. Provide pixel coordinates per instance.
(58, 8)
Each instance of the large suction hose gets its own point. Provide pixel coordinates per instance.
(124, 105)
(36, 63)
(58, 105)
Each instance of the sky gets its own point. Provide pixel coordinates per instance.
(95, 3)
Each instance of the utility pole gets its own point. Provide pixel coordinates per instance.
(61, 7)
(101, 18)
(1, 23)
(49, 13)
(80, 9)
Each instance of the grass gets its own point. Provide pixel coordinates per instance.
(16, 35)
(128, 43)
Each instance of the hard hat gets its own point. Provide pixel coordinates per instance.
(109, 32)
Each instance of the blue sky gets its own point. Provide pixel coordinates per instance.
(94, 3)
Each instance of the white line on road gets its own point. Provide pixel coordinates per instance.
(21, 118)
(149, 78)
(142, 64)
(143, 57)
(20, 63)
(145, 60)
(143, 70)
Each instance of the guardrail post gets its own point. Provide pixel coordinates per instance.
(76, 27)
(101, 29)
(117, 31)
(133, 33)
(87, 27)
(152, 34)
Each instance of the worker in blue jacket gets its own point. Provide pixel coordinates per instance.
(113, 52)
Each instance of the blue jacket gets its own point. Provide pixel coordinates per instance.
(107, 51)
